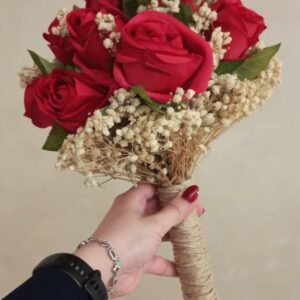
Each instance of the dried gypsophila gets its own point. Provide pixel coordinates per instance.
(106, 23)
(62, 28)
(219, 43)
(231, 99)
(28, 74)
(132, 142)
(107, 29)
(147, 135)
(203, 18)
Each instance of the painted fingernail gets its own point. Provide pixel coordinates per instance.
(191, 194)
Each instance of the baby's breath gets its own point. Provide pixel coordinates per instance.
(131, 141)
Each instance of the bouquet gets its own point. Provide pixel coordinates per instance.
(139, 89)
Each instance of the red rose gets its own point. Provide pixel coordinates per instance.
(66, 98)
(161, 53)
(99, 4)
(90, 54)
(59, 45)
(244, 25)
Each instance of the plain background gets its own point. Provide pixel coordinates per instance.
(249, 182)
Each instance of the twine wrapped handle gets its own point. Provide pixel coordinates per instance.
(191, 255)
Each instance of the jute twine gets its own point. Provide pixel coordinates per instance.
(191, 255)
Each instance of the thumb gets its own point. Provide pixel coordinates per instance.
(176, 211)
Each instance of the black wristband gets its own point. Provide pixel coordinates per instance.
(86, 278)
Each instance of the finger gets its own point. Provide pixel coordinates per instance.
(176, 211)
(200, 212)
(162, 267)
(153, 206)
(137, 197)
(200, 209)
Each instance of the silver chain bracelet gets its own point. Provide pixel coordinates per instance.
(113, 255)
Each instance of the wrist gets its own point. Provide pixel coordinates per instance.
(98, 259)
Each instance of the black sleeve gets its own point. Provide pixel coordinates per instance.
(49, 285)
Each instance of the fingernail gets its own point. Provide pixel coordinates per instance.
(191, 194)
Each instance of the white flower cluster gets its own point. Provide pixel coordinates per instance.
(107, 30)
(131, 139)
(230, 99)
(182, 96)
(106, 23)
(219, 41)
(203, 18)
(61, 29)
(165, 6)
(28, 74)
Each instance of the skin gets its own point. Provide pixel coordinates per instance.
(135, 227)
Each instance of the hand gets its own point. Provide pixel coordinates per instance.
(135, 227)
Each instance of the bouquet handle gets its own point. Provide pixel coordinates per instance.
(191, 255)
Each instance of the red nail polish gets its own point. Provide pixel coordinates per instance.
(191, 194)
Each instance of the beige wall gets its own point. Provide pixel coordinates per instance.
(250, 181)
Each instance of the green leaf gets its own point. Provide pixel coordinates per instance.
(130, 7)
(141, 92)
(75, 7)
(185, 14)
(228, 67)
(252, 66)
(55, 139)
(45, 66)
(256, 63)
